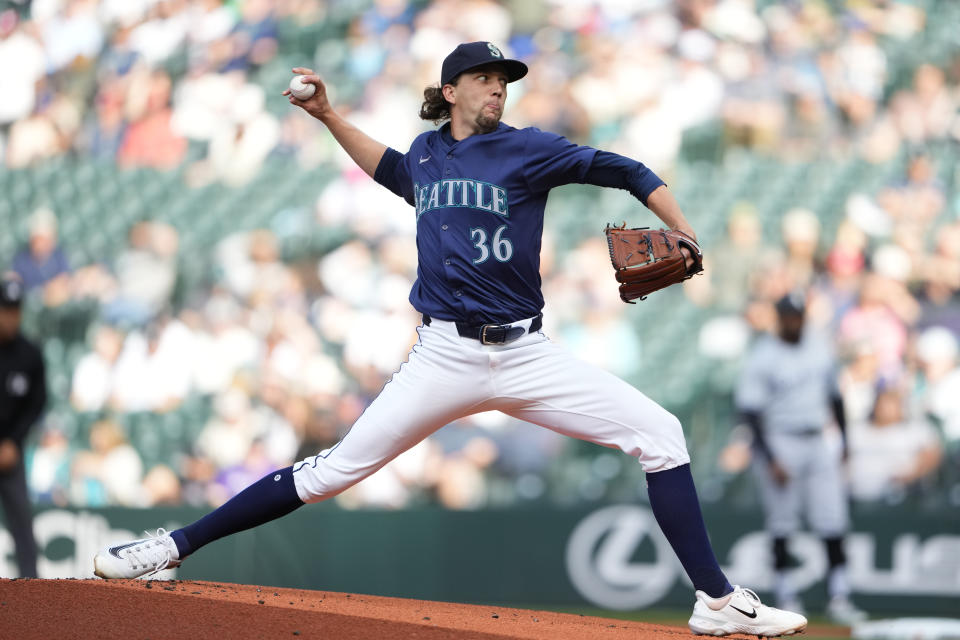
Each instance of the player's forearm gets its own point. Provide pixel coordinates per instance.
(666, 207)
(364, 150)
(613, 170)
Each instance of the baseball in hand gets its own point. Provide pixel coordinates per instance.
(301, 90)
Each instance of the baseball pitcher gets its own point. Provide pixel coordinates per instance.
(478, 188)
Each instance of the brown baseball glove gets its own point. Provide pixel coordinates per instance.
(646, 260)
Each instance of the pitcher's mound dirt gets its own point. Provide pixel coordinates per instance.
(162, 610)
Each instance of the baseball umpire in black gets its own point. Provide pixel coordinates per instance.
(23, 394)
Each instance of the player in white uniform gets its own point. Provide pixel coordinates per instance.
(479, 188)
(786, 394)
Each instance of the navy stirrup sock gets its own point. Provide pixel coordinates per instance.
(673, 499)
(267, 499)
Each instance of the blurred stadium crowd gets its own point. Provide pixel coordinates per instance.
(220, 291)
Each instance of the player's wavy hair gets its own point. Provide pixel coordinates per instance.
(435, 107)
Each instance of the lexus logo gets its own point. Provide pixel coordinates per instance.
(601, 558)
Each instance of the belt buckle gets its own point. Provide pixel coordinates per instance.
(483, 334)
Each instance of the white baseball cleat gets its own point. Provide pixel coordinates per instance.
(136, 558)
(742, 612)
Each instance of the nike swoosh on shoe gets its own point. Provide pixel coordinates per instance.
(114, 551)
(752, 614)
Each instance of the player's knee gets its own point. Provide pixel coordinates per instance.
(676, 428)
(673, 436)
(667, 448)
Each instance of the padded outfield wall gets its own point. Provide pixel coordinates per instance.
(612, 557)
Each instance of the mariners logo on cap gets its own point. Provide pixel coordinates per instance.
(494, 51)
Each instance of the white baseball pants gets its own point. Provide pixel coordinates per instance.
(447, 377)
(815, 489)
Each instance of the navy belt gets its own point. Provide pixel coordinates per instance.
(493, 333)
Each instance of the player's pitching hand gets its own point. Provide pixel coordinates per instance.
(316, 105)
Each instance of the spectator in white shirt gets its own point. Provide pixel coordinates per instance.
(890, 452)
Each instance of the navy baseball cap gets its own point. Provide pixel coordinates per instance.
(474, 54)
(794, 303)
(11, 292)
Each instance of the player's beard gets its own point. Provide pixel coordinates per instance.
(485, 123)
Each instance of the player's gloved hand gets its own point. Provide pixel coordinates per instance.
(690, 260)
(647, 260)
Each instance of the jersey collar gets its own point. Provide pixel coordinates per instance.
(449, 140)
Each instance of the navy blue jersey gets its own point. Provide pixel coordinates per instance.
(479, 205)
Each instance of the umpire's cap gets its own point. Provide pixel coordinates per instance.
(11, 292)
(794, 303)
(473, 54)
